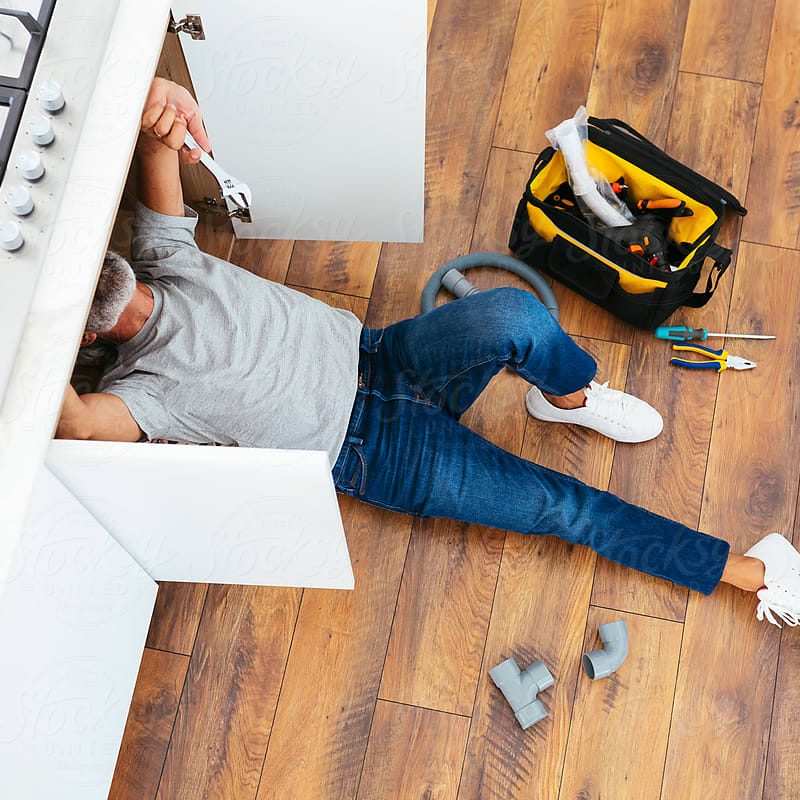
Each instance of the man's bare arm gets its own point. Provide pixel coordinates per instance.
(170, 110)
(159, 182)
(96, 416)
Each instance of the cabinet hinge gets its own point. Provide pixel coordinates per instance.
(191, 24)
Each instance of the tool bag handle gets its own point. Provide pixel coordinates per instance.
(609, 123)
(722, 260)
(616, 127)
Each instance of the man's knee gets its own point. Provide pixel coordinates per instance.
(522, 313)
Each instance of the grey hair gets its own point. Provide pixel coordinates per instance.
(114, 291)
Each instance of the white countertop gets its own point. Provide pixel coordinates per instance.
(76, 246)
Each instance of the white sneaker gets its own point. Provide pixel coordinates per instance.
(615, 414)
(781, 592)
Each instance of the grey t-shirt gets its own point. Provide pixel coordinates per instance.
(229, 357)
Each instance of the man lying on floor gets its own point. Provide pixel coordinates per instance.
(208, 352)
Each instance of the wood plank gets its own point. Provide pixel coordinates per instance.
(329, 692)
(267, 258)
(532, 620)
(637, 64)
(147, 731)
(413, 752)
(782, 780)
(712, 130)
(347, 267)
(467, 56)
(439, 631)
(723, 702)
(727, 38)
(226, 712)
(358, 305)
(633, 79)
(773, 197)
(620, 724)
(581, 317)
(506, 175)
(451, 568)
(176, 616)
(549, 70)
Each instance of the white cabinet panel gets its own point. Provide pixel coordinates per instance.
(74, 614)
(213, 514)
(320, 108)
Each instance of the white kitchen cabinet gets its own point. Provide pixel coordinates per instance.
(213, 514)
(320, 108)
(74, 613)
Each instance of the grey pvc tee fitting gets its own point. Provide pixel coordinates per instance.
(601, 663)
(521, 687)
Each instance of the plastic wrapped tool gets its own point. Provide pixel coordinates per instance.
(593, 192)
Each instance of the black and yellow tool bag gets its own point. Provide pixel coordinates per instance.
(576, 253)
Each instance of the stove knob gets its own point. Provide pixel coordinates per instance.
(50, 96)
(30, 164)
(10, 236)
(19, 200)
(41, 130)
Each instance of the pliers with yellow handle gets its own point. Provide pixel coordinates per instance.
(717, 360)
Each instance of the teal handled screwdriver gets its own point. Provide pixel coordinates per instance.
(680, 333)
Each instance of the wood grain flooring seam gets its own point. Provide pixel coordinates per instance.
(773, 246)
(516, 150)
(720, 77)
(425, 708)
(301, 287)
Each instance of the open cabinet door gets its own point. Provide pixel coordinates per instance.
(74, 614)
(320, 108)
(213, 514)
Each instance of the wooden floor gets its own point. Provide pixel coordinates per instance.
(383, 692)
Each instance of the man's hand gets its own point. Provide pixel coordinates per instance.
(170, 110)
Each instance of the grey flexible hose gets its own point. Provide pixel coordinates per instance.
(461, 287)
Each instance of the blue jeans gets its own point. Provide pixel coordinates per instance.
(406, 450)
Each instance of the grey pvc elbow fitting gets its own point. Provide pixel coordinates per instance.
(601, 663)
(520, 688)
(458, 284)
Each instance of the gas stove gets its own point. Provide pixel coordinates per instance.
(50, 55)
(23, 29)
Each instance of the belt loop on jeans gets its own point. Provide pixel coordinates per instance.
(354, 440)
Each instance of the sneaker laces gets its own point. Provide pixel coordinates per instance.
(599, 396)
(768, 606)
